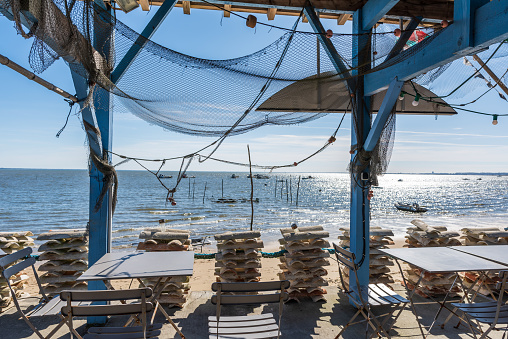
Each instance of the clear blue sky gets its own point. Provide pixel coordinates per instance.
(31, 115)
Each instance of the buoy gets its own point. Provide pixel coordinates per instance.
(173, 203)
(396, 32)
(329, 33)
(444, 23)
(295, 163)
(332, 139)
(251, 21)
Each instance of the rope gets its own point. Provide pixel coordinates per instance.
(71, 104)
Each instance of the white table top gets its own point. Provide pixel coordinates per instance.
(497, 253)
(443, 259)
(130, 265)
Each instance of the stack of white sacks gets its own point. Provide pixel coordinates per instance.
(303, 264)
(11, 242)
(176, 288)
(482, 236)
(66, 256)
(379, 263)
(423, 235)
(238, 258)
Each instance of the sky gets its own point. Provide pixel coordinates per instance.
(31, 115)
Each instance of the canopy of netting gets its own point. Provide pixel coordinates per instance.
(206, 97)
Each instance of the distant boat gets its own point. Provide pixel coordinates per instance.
(248, 200)
(234, 176)
(465, 178)
(309, 177)
(187, 176)
(259, 176)
(414, 207)
(479, 179)
(400, 180)
(162, 176)
(225, 201)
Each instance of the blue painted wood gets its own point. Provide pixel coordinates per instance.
(374, 10)
(490, 27)
(404, 37)
(463, 17)
(386, 108)
(327, 45)
(141, 41)
(359, 211)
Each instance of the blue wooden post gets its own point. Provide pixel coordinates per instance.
(359, 211)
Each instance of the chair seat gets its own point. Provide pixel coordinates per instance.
(51, 307)
(380, 294)
(248, 327)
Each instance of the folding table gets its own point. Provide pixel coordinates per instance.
(440, 260)
(139, 265)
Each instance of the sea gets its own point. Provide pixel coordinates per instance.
(39, 200)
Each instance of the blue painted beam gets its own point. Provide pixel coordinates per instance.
(327, 45)
(386, 108)
(141, 41)
(463, 17)
(359, 211)
(404, 37)
(489, 28)
(374, 10)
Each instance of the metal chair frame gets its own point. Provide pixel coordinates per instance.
(361, 300)
(16, 262)
(492, 313)
(237, 326)
(74, 307)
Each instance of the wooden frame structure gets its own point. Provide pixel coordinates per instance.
(476, 25)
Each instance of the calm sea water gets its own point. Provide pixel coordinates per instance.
(42, 200)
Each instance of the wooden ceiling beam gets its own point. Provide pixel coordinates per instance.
(145, 6)
(271, 13)
(227, 10)
(186, 7)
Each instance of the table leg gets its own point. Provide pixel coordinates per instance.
(410, 295)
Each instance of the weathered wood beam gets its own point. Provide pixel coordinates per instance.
(374, 10)
(386, 108)
(145, 6)
(271, 13)
(343, 18)
(493, 75)
(186, 7)
(489, 28)
(327, 45)
(227, 11)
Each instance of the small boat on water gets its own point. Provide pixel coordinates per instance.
(248, 200)
(309, 177)
(162, 176)
(414, 207)
(259, 176)
(234, 176)
(188, 176)
(225, 201)
(400, 180)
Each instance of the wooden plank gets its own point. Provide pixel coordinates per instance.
(227, 10)
(186, 7)
(145, 6)
(343, 18)
(271, 13)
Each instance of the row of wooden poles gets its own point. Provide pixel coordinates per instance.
(288, 191)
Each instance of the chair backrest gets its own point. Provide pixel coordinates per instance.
(347, 259)
(27, 261)
(75, 309)
(243, 299)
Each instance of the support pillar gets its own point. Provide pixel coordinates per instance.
(360, 127)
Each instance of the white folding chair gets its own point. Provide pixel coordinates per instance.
(75, 308)
(250, 326)
(13, 264)
(377, 295)
(492, 313)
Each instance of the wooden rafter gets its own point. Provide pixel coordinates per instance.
(271, 13)
(186, 7)
(227, 10)
(145, 6)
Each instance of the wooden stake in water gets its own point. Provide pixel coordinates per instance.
(275, 187)
(251, 191)
(204, 193)
(298, 189)
(193, 188)
(189, 187)
(222, 188)
(290, 189)
(287, 191)
(281, 187)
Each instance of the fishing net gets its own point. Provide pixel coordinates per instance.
(220, 98)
